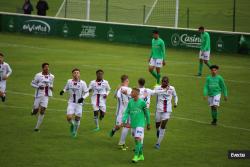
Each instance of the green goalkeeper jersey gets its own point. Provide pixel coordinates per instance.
(158, 49)
(205, 41)
(137, 111)
(214, 86)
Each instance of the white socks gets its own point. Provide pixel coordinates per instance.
(161, 135)
(39, 121)
(77, 124)
(96, 122)
(123, 135)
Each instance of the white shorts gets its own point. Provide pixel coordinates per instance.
(161, 116)
(214, 100)
(2, 86)
(204, 55)
(156, 62)
(74, 109)
(41, 101)
(138, 132)
(97, 108)
(98, 105)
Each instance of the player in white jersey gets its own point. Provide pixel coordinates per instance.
(145, 93)
(123, 96)
(164, 94)
(43, 84)
(101, 90)
(5, 72)
(78, 92)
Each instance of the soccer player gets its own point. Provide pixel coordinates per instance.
(101, 90)
(137, 111)
(123, 95)
(5, 72)
(164, 94)
(145, 93)
(204, 54)
(78, 92)
(213, 88)
(157, 57)
(43, 83)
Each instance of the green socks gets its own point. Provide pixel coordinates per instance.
(201, 66)
(156, 76)
(214, 113)
(208, 64)
(138, 148)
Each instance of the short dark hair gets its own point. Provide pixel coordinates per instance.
(1, 54)
(45, 64)
(155, 32)
(75, 69)
(100, 70)
(141, 81)
(214, 66)
(201, 28)
(124, 77)
(136, 89)
(165, 77)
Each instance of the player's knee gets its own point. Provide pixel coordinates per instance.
(117, 127)
(42, 111)
(95, 113)
(35, 111)
(157, 125)
(69, 117)
(138, 139)
(77, 118)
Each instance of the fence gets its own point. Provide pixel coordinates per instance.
(125, 33)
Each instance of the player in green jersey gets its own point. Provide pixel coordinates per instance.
(213, 88)
(205, 48)
(137, 111)
(157, 57)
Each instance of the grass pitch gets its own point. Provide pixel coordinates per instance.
(189, 141)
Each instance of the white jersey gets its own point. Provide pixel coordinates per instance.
(45, 81)
(123, 99)
(164, 98)
(100, 91)
(77, 90)
(122, 102)
(145, 94)
(5, 70)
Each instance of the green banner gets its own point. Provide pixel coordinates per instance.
(137, 34)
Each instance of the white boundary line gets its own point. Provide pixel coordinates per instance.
(175, 117)
(59, 10)
(150, 11)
